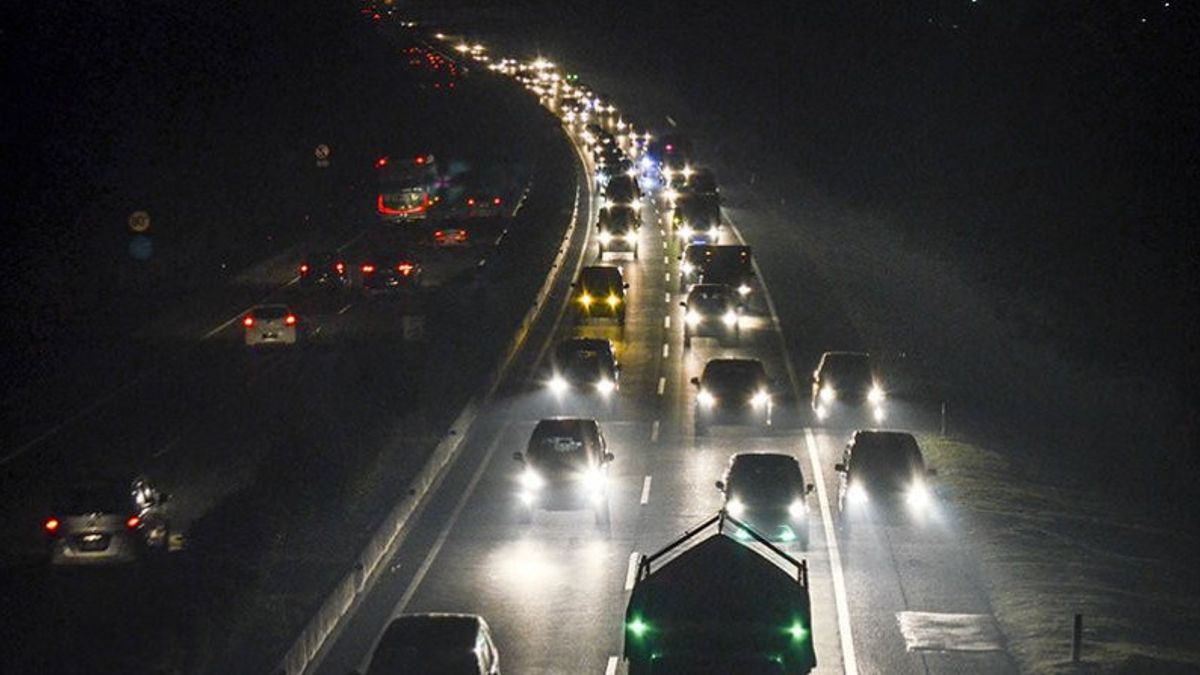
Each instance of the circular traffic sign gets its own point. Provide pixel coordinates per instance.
(139, 221)
(322, 151)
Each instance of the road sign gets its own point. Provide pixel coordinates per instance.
(139, 221)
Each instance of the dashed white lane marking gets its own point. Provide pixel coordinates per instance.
(933, 631)
(345, 309)
(666, 322)
(666, 350)
(835, 560)
(664, 245)
(646, 490)
(662, 232)
(611, 668)
(668, 296)
(671, 121)
(654, 432)
(631, 573)
(666, 260)
(662, 385)
(667, 277)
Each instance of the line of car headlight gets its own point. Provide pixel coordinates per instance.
(687, 232)
(593, 481)
(604, 237)
(587, 300)
(558, 385)
(916, 496)
(759, 399)
(737, 508)
(693, 318)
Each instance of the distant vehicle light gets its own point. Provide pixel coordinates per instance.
(692, 318)
(51, 525)
(304, 269)
(341, 267)
(705, 398)
(730, 318)
(604, 237)
(405, 268)
(132, 522)
(532, 480)
(470, 201)
(368, 269)
(290, 319)
(686, 232)
(586, 299)
(743, 290)
(857, 494)
(606, 386)
(558, 385)
(828, 394)
(613, 300)
(876, 395)
(381, 162)
(496, 201)
(880, 415)
(248, 321)
(917, 497)
(687, 267)
(760, 399)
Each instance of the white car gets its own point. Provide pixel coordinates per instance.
(270, 324)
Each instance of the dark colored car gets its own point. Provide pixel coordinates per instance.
(711, 310)
(845, 385)
(702, 182)
(565, 468)
(619, 230)
(391, 273)
(622, 191)
(732, 391)
(106, 521)
(732, 266)
(600, 293)
(692, 263)
(883, 476)
(697, 219)
(323, 269)
(435, 644)
(766, 490)
(584, 365)
(673, 151)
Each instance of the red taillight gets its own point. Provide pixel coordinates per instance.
(420, 160)
(381, 162)
(470, 201)
(341, 267)
(496, 201)
(133, 522)
(304, 269)
(367, 269)
(461, 236)
(248, 321)
(439, 235)
(405, 268)
(51, 525)
(290, 319)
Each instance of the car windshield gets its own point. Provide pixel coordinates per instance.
(709, 302)
(619, 220)
(733, 376)
(695, 208)
(558, 454)
(620, 190)
(731, 257)
(585, 364)
(849, 373)
(889, 463)
(271, 312)
(698, 255)
(107, 498)
(765, 479)
(599, 280)
(441, 646)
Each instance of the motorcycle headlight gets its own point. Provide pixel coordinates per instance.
(828, 394)
(730, 319)
(876, 395)
(706, 398)
(760, 399)
(558, 385)
(857, 494)
(797, 508)
(606, 386)
(735, 507)
(532, 480)
(692, 318)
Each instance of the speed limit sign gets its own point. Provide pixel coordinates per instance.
(139, 221)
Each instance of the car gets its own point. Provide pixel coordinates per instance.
(605, 143)
(692, 263)
(612, 163)
(565, 467)
(435, 643)
(272, 324)
(732, 391)
(702, 183)
(766, 490)
(711, 310)
(99, 521)
(845, 385)
(600, 293)
(451, 235)
(621, 191)
(619, 230)
(323, 269)
(391, 273)
(671, 151)
(697, 220)
(730, 265)
(584, 365)
(882, 476)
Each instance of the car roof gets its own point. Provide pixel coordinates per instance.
(600, 273)
(710, 289)
(733, 365)
(602, 344)
(763, 458)
(271, 309)
(564, 424)
(435, 629)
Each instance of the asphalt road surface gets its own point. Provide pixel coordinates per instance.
(554, 591)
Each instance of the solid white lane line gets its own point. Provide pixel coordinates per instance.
(445, 533)
(345, 309)
(611, 668)
(835, 559)
(666, 350)
(666, 322)
(662, 385)
(671, 121)
(654, 432)
(646, 490)
(631, 573)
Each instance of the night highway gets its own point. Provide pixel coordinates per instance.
(306, 381)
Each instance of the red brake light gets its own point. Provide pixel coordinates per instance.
(670, 148)
(439, 235)
(341, 267)
(420, 160)
(133, 522)
(381, 162)
(304, 269)
(248, 321)
(367, 269)
(51, 525)
(496, 201)
(470, 201)
(405, 268)
(290, 319)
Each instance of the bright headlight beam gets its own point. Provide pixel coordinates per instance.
(760, 399)
(876, 395)
(606, 386)
(797, 508)
(730, 318)
(705, 398)
(558, 385)
(828, 394)
(692, 318)
(735, 507)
